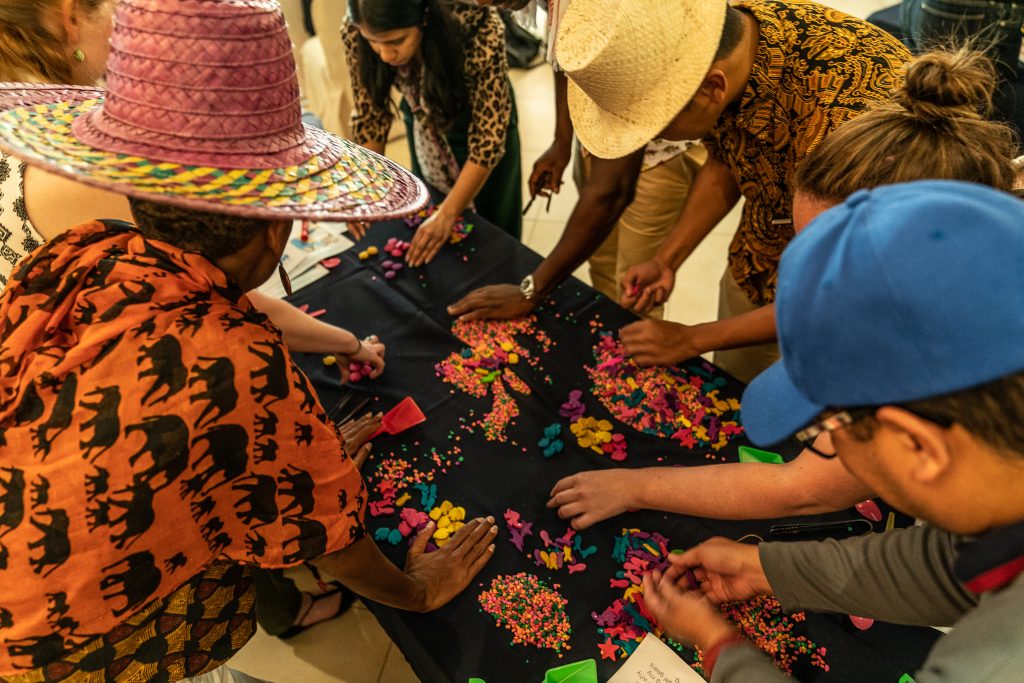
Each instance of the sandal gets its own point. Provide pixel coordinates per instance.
(347, 598)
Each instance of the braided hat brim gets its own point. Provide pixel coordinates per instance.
(341, 181)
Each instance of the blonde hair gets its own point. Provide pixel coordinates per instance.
(934, 126)
(28, 51)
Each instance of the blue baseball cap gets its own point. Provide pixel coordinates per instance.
(901, 293)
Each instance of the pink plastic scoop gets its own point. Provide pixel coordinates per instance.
(404, 415)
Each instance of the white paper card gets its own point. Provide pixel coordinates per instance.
(655, 662)
(302, 259)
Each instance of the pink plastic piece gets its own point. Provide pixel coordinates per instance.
(869, 509)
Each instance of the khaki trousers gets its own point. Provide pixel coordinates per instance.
(748, 362)
(643, 226)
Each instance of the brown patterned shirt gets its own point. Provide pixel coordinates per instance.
(816, 67)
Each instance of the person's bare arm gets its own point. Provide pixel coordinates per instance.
(429, 580)
(660, 342)
(375, 146)
(546, 176)
(807, 485)
(606, 194)
(56, 204)
(435, 232)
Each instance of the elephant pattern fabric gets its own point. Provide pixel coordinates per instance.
(157, 438)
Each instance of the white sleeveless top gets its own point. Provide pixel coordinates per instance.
(18, 237)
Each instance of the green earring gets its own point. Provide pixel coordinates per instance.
(79, 55)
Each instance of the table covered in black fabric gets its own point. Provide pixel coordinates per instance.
(459, 641)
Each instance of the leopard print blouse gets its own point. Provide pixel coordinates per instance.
(486, 70)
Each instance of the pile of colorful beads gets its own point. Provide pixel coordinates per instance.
(673, 403)
(488, 366)
(565, 551)
(763, 622)
(573, 409)
(552, 444)
(412, 521)
(533, 612)
(598, 437)
(448, 519)
(625, 623)
(396, 248)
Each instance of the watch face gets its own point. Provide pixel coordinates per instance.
(526, 286)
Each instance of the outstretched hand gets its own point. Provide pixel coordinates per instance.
(446, 572)
(430, 236)
(587, 498)
(492, 302)
(659, 342)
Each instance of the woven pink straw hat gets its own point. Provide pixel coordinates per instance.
(202, 110)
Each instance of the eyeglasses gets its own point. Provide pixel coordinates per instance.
(845, 418)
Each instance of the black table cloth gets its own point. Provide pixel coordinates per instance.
(460, 641)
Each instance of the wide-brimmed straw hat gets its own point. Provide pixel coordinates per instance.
(633, 65)
(202, 110)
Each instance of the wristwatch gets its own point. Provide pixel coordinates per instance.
(527, 288)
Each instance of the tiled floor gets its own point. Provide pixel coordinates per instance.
(353, 648)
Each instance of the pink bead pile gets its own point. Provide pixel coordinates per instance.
(679, 404)
(487, 366)
(533, 612)
(763, 622)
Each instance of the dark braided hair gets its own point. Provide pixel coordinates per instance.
(214, 235)
(444, 82)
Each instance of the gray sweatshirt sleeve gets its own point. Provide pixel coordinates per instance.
(746, 663)
(904, 576)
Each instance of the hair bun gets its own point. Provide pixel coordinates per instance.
(945, 84)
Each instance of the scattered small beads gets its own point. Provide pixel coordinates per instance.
(391, 268)
(564, 552)
(763, 622)
(552, 443)
(488, 366)
(624, 623)
(359, 371)
(365, 254)
(533, 612)
(673, 403)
